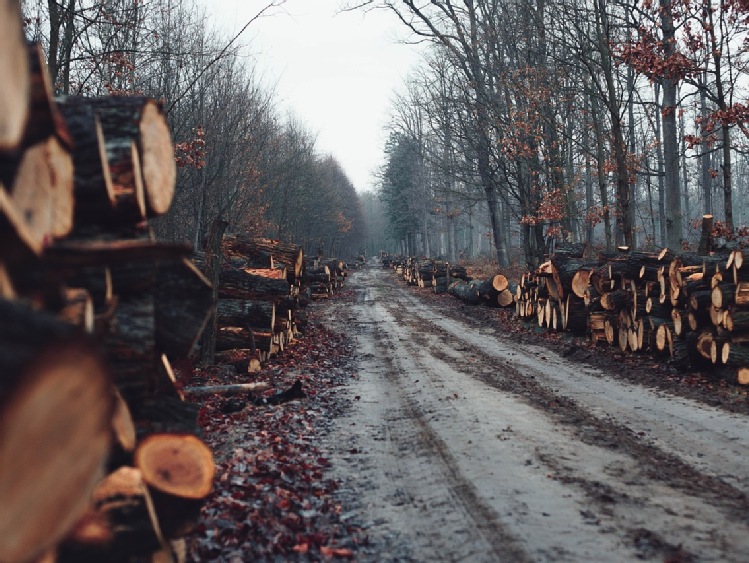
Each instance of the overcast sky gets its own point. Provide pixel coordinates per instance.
(337, 72)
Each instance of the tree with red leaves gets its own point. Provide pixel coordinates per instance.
(702, 44)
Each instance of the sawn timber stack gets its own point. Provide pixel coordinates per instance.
(690, 308)
(92, 312)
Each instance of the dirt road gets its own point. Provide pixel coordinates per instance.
(466, 445)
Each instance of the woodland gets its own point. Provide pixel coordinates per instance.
(238, 157)
(154, 202)
(607, 122)
(612, 123)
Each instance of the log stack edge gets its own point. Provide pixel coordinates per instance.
(691, 309)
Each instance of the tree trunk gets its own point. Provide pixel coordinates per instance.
(674, 230)
(707, 183)
(619, 148)
(212, 269)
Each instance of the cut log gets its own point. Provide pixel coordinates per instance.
(237, 284)
(734, 375)
(464, 291)
(242, 254)
(624, 326)
(72, 253)
(741, 296)
(130, 347)
(575, 314)
(701, 300)
(616, 300)
(557, 315)
(245, 313)
(719, 349)
(320, 275)
(645, 336)
(705, 245)
(179, 465)
(580, 282)
(40, 182)
(490, 288)
(182, 307)
(94, 193)
(237, 338)
(592, 299)
(737, 320)
(724, 295)
(739, 256)
(291, 255)
(564, 268)
(7, 291)
(122, 425)
(601, 279)
(140, 120)
(120, 524)
(506, 298)
(256, 387)
(45, 118)
(698, 318)
(680, 326)
(54, 389)
(597, 327)
(610, 329)
(734, 354)
(78, 309)
(703, 344)
(663, 337)
(716, 316)
(14, 68)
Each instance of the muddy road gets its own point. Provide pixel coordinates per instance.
(463, 444)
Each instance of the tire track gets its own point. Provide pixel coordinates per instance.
(538, 474)
(609, 433)
(504, 545)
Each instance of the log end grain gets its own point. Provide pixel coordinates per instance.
(14, 68)
(159, 168)
(55, 432)
(176, 464)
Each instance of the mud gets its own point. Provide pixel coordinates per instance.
(469, 439)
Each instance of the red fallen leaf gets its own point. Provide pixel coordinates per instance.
(336, 552)
(301, 548)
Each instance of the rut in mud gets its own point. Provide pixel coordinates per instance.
(464, 444)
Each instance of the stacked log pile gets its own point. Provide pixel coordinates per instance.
(262, 287)
(692, 309)
(100, 457)
(259, 287)
(425, 272)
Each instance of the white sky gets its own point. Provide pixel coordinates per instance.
(336, 72)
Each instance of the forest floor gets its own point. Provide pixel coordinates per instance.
(434, 430)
